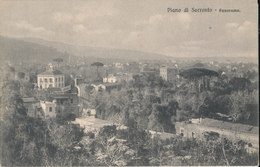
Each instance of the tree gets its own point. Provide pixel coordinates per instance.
(97, 65)
(196, 74)
(237, 84)
(21, 75)
(58, 61)
(244, 107)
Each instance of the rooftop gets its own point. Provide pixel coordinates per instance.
(52, 72)
(29, 99)
(63, 95)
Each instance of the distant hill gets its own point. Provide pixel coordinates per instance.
(97, 52)
(16, 50)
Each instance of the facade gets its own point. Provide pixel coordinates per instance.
(198, 128)
(33, 107)
(49, 79)
(119, 77)
(66, 103)
(168, 74)
(110, 79)
(49, 109)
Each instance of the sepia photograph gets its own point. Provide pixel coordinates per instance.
(129, 83)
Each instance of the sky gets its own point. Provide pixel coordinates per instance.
(138, 25)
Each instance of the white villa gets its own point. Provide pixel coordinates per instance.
(51, 78)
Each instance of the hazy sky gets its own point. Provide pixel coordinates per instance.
(139, 25)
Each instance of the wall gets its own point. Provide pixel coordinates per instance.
(197, 130)
(46, 109)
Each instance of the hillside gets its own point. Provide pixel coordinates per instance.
(15, 51)
(97, 52)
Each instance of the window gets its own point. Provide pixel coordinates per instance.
(71, 100)
(182, 132)
(46, 80)
(50, 109)
(193, 134)
(50, 85)
(40, 79)
(55, 79)
(50, 80)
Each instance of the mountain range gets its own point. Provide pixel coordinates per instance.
(39, 50)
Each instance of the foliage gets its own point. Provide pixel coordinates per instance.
(195, 73)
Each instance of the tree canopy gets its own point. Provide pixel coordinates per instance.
(59, 60)
(195, 73)
(97, 64)
(198, 65)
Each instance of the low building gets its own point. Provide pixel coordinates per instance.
(198, 128)
(119, 77)
(106, 86)
(51, 78)
(118, 65)
(33, 107)
(110, 79)
(66, 103)
(49, 109)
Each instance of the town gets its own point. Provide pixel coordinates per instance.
(129, 83)
(130, 105)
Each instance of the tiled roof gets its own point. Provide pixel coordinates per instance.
(52, 72)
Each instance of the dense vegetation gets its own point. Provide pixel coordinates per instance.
(157, 105)
(146, 103)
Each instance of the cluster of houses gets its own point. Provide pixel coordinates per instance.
(63, 101)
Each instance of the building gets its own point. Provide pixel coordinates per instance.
(51, 78)
(110, 79)
(169, 74)
(118, 65)
(49, 109)
(198, 128)
(119, 77)
(33, 107)
(145, 68)
(65, 104)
